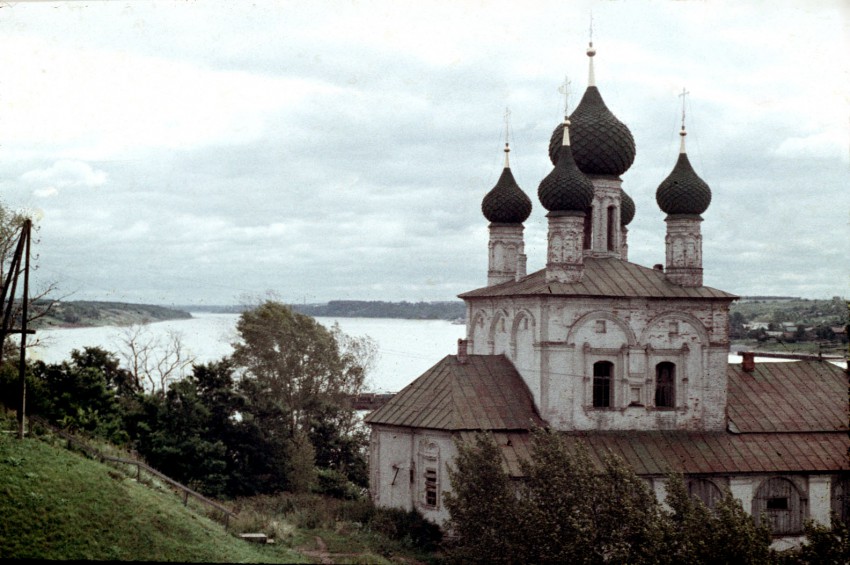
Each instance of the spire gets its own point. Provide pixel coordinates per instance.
(506, 203)
(602, 144)
(683, 133)
(565, 188)
(591, 77)
(683, 191)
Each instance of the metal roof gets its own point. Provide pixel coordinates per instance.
(484, 393)
(801, 396)
(695, 453)
(603, 277)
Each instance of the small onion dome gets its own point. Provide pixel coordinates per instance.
(683, 192)
(506, 203)
(565, 188)
(627, 209)
(602, 144)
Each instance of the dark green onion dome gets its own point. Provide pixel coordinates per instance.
(602, 144)
(565, 188)
(506, 203)
(683, 192)
(627, 209)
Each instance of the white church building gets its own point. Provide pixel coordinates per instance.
(628, 359)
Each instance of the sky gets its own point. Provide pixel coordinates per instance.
(205, 152)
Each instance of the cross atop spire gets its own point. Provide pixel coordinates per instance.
(507, 116)
(565, 90)
(683, 133)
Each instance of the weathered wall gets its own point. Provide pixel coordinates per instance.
(398, 460)
(555, 341)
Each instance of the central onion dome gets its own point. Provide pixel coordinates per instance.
(506, 203)
(602, 144)
(565, 188)
(683, 192)
(627, 209)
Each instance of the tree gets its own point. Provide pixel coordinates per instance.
(299, 377)
(80, 394)
(570, 508)
(565, 510)
(482, 504)
(153, 362)
(724, 535)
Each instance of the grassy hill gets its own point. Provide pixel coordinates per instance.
(59, 504)
(56, 504)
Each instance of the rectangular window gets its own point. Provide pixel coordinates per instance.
(600, 326)
(665, 385)
(611, 227)
(777, 503)
(602, 373)
(431, 487)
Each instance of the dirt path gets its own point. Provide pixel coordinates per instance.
(320, 553)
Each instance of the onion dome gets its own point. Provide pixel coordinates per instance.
(627, 209)
(683, 192)
(506, 203)
(565, 188)
(602, 144)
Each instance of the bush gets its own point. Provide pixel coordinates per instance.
(333, 483)
(409, 527)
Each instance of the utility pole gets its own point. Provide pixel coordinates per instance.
(22, 252)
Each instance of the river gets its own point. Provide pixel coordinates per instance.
(406, 348)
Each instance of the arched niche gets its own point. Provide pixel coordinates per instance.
(478, 333)
(601, 329)
(672, 330)
(500, 333)
(522, 337)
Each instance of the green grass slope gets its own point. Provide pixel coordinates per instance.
(55, 504)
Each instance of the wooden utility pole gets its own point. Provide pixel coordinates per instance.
(22, 252)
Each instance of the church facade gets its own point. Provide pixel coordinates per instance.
(625, 358)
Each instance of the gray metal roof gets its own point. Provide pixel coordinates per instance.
(695, 453)
(802, 396)
(603, 277)
(484, 393)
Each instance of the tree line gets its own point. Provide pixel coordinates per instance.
(274, 416)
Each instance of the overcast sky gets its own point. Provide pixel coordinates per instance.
(198, 152)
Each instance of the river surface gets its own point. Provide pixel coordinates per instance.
(406, 348)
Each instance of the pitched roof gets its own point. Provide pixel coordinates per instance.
(800, 396)
(659, 453)
(603, 277)
(484, 393)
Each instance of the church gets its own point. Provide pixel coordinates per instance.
(629, 359)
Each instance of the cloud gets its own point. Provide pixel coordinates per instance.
(64, 174)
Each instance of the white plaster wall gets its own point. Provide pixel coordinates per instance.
(400, 448)
(554, 341)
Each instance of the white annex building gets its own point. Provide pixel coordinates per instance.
(628, 359)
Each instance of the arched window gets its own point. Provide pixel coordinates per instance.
(610, 231)
(665, 385)
(706, 491)
(603, 371)
(588, 228)
(841, 497)
(780, 500)
(429, 464)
